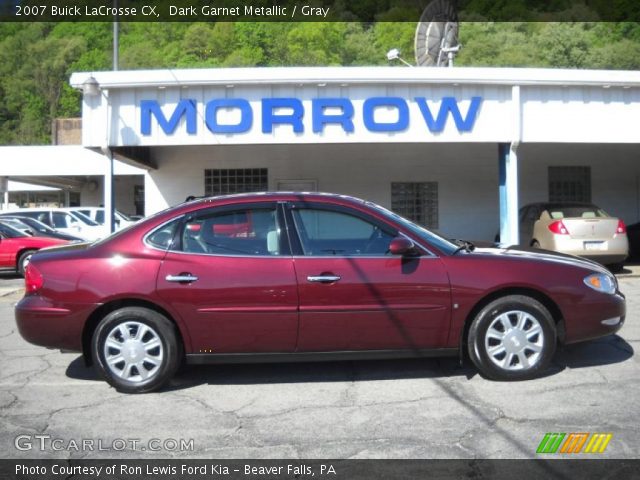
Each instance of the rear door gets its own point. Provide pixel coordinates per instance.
(354, 295)
(230, 277)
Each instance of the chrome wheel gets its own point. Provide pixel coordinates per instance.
(514, 340)
(133, 351)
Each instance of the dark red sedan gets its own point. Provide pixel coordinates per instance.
(276, 277)
(16, 247)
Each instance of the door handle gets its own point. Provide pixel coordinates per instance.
(323, 278)
(182, 278)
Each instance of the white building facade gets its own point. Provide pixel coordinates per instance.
(457, 149)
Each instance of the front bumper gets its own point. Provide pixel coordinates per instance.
(595, 317)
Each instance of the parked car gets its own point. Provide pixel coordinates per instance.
(575, 228)
(633, 232)
(281, 276)
(17, 248)
(97, 215)
(72, 223)
(33, 227)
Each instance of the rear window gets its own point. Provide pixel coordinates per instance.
(576, 211)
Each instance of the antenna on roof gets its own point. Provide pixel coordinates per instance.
(436, 39)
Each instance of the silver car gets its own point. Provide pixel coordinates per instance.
(577, 229)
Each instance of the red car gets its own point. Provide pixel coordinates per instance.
(276, 277)
(16, 248)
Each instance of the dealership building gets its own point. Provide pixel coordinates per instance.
(456, 149)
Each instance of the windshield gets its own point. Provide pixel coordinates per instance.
(124, 216)
(438, 241)
(575, 211)
(83, 218)
(10, 232)
(36, 225)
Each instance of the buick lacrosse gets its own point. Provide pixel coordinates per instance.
(305, 277)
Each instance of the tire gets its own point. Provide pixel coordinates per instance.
(23, 260)
(497, 351)
(535, 244)
(150, 352)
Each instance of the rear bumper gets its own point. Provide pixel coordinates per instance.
(615, 250)
(595, 318)
(43, 323)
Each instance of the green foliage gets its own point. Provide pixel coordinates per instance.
(36, 59)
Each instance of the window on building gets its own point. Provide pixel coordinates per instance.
(570, 184)
(417, 201)
(235, 180)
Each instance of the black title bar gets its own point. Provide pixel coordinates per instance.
(316, 469)
(311, 10)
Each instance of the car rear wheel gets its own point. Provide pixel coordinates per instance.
(136, 349)
(512, 338)
(23, 261)
(535, 244)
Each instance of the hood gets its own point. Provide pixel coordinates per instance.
(546, 256)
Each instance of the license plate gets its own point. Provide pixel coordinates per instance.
(595, 245)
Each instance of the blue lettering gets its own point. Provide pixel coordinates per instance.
(449, 104)
(246, 115)
(320, 118)
(271, 115)
(370, 104)
(269, 118)
(185, 107)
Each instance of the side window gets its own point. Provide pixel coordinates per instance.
(71, 220)
(532, 215)
(253, 231)
(99, 216)
(523, 213)
(60, 220)
(162, 237)
(329, 233)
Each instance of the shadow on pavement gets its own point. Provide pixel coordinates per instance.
(606, 351)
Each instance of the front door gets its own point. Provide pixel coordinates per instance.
(230, 277)
(354, 295)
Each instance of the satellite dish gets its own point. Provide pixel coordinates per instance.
(436, 41)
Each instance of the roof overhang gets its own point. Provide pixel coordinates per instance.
(357, 75)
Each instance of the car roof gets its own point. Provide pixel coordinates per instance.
(278, 196)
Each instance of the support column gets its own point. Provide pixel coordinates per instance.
(107, 191)
(508, 187)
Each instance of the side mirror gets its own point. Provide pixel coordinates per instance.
(402, 246)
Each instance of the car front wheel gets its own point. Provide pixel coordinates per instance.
(136, 349)
(512, 338)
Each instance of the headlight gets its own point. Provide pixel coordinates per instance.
(601, 282)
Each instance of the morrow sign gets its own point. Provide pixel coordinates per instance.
(324, 111)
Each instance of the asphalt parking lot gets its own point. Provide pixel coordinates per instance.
(376, 409)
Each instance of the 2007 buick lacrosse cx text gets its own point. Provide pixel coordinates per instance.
(298, 276)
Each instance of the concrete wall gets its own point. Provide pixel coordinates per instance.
(615, 174)
(467, 175)
(124, 189)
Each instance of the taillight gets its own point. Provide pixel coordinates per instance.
(558, 228)
(33, 280)
(622, 228)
